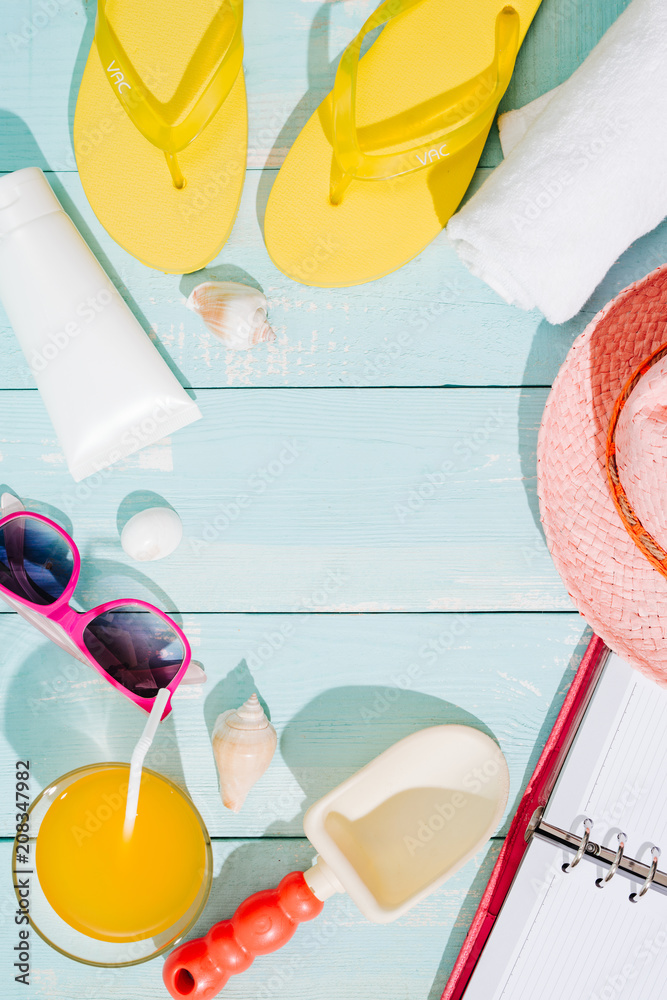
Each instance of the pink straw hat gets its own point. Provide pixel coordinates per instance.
(602, 474)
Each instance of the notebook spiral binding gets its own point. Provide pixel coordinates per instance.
(634, 896)
(584, 847)
(618, 857)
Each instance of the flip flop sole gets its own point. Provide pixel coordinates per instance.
(128, 184)
(381, 224)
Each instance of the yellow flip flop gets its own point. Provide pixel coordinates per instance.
(383, 163)
(161, 127)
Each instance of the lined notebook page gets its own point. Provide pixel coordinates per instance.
(616, 771)
(560, 937)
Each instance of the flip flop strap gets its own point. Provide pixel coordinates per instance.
(148, 115)
(447, 124)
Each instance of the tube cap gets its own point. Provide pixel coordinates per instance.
(322, 880)
(25, 195)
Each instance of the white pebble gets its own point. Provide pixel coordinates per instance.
(152, 534)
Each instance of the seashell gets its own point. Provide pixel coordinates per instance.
(152, 534)
(234, 313)
(195, 674)
(244, 742)
(9, 504)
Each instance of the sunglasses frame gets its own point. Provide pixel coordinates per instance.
(74, 623)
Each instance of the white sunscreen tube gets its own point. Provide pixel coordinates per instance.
(105, 387)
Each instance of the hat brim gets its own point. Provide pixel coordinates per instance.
(617, 590)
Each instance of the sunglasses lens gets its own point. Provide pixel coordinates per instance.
(137, 648)
(36, 562)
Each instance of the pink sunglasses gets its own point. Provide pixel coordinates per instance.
(131, 644)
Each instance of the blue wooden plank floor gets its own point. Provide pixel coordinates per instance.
(391, 574)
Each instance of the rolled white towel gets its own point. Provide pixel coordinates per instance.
(513, 125)
(584, 174)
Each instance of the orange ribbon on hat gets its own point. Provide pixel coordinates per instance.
(653, 551)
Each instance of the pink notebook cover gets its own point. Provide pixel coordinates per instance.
(535, 797)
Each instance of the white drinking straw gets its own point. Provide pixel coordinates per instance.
(137, 761)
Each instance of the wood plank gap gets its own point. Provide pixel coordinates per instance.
(368, 614)
(323, 388)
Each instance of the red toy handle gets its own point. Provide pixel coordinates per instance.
(263, 923)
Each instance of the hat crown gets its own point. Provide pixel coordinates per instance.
(641, 451)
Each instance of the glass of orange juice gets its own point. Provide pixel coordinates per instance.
(100, 899)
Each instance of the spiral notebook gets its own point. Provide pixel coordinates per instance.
(576, 934)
